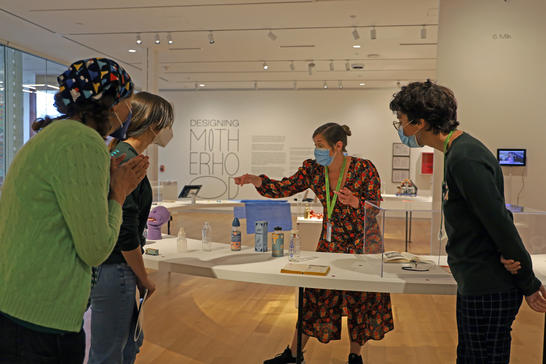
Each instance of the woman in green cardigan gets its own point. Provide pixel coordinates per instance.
(60, 212)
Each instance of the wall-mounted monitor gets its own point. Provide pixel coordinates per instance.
(512, 157)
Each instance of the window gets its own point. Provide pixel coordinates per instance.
(27, 88)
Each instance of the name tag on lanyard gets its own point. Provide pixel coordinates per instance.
(330, 205)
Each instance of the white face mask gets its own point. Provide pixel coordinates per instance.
(163, 137)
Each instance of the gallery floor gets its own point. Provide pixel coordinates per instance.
(200, 320)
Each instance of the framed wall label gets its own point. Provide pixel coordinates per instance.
(399, 149)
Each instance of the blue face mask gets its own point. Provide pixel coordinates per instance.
(121, 133)
(410, 141)
(323, 156)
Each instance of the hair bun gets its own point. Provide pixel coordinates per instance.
(346, 129)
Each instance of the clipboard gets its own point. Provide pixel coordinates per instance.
(140, 316)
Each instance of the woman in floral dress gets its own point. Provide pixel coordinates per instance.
(369, 313)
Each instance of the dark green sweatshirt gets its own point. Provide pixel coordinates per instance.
(478, 225)
(136, 209)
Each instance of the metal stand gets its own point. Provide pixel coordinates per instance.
(299, 354)
(409, 218)
(544, 343)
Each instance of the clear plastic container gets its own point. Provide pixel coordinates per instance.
(294, 248)
(181, 241)
(205, 237)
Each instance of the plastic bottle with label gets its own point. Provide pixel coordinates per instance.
(235, 235)
(294, 249)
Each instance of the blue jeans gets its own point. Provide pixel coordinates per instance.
(113, 316)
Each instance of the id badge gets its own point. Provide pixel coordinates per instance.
(329, 232)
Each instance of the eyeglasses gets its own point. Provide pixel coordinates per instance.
(417, 266)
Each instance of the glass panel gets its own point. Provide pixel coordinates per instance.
(30, 85)
(2, 117)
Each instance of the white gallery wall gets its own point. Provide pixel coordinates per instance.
(222, 134)
(492, 55)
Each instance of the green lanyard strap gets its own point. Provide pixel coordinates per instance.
(330, 207)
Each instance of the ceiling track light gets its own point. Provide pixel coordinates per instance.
(356, 36)
(423, 32)
(266, 66)
(169, 38)
(340, 84)
(271, 35)
(295, 85)
(138, 39)
(324, 85)
(255, 85)
(211, 38)
(157, 40)
(331, 66)
(373, 33)
(347, 66)
(292, 67)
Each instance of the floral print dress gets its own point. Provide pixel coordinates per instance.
(369, 313)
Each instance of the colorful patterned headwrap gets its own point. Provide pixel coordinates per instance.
(90, 78)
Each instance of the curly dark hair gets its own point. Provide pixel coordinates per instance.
(97, 111)
(426, 100)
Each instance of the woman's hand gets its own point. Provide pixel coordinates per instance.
(125, 178)
(146, 284)
(346, 197)
(537, 300)
(247, 179)
(510, 265)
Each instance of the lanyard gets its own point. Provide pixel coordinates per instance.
(444, 187)
(330, 207)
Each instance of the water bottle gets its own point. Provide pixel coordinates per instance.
(181, 241)
(205, 237)
(294, 248)
(235, 235)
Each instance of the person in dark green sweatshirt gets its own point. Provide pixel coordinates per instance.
(479, 228)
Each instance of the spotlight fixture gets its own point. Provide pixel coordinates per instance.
(271, 35)
(202, 85)
(356, 36)
(423, 32)
(266, 66)
(331, 65)
(138, 39)
(255, 85)
(169, 38)
(324, 85)
(157, 40)
(339, 84)
(373, 33)
(211, 38)
(347, 66)
(310, 68)
(356, 46)
(362, 84)
(292, 67)
(132, 50)
(295, 85)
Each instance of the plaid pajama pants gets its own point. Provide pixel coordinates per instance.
(484, 323)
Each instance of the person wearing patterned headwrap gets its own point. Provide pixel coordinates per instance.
(61, 214)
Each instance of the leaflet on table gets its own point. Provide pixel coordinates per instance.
(311, 269)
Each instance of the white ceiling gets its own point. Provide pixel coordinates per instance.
(69, 30)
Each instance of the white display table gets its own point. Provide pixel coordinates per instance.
(348, 271)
